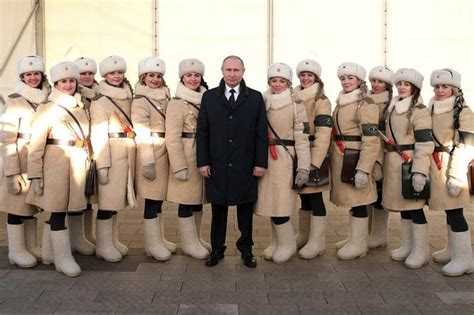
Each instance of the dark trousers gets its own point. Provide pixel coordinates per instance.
(219, 227)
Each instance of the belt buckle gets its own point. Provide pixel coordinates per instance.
(131, 134)
(79, 144)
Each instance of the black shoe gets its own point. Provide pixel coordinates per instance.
(249, 260)
(214, 258)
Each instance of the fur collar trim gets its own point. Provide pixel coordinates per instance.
(33, 95)
(348, 98)
(380, 97)
(301, 94)
(442, 107)
(277, 101)
(115, 92)
(65, 100)
(189, 95)
(159, 94)
(89, 93)
(402, 106)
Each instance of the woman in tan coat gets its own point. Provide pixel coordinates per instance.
(58, 161)
(288, 138)
(185, 183)
(31, 89)
(355, 120)
(453, 132)
(149, 117)
(113, 142)
(381, 81)
(312, 215)
(408, 124)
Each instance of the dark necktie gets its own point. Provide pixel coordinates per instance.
(231, 97)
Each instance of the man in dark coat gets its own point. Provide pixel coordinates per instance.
(232, 151)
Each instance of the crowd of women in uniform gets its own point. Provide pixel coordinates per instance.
(141, 142)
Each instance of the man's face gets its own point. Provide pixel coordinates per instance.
(233, 71)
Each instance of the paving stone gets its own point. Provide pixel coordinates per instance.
(391, 275)
(198, 285)
(328, 309)
(239, 298)
(9, 284)
(425, 286)
(32, 274)
(59, 284)
(353, 298)
(262, 309)
(406, 296)
(143, 296)
(286, 275)
(203, 276)
(82, 295)
(208, 309)
(164, 268)
(147, 308)
(268, 286)
(359, 265)
(135, 276)
(456, 297)
(373, 286)
(20, 295)
(311, 285)
(463, 286)
(154, 285)
(3, 273)
(86, 307)
(296, 298)
(182, 297)
(445, 309)
(98, 284)
(13, 306)
(343, 276)
(406, 309)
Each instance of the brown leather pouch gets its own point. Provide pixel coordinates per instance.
(91, 180)
(407, 187)
(319, 177)
(349, 164)
(470, 176)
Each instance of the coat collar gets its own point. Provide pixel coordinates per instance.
(380, 97)
(189, 95)
(89, 93)
(243, 90)
(301, 94)
(277, 101)
(441, 107)
(401, 106)
(159, 94)
(115, 92)
(349, 98)
(69, 101)
(32, 94)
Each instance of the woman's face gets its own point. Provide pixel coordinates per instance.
(307, 79)
(378, 86)
(278, 85)
(443, 91)
(349, 83)
(87, 79)
(32, 79)
(192, 80)
(153, 80)
(404, 89)
(115, 77)
(67, 86)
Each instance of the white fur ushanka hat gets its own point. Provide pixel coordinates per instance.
(63, 70)
(279, 69)
(191, 65)
(30, 64)
(151, 64)
(446, 76)
(382, 73)
(309, 65)
(409, 75)
(86, 64)
(111, 64)
(350, 68)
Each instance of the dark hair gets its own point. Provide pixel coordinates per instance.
(321, 87)
(203, 83)
(414, 100)
(43, 80)
(125, 81)
(458, 105)
(77, 85)
(141, 80)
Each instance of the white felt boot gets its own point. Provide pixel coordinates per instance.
(304, 222)
(189, 239)
(63, 259)
(105, 248)
(286, 243)
(356, 245)
(317, 238)
(403, 251)
(17, 252)
(154, 246)
(79, 243)
(378, 232)
(461, 261)
(420, 251)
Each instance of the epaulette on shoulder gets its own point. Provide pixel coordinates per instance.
(176, 98)
(14, 95)
(98, 96)
(420, 106)
(138, 96)
(369, 100)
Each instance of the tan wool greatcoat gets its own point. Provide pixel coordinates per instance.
(405, 126)
(181, 116)
(62, 167)
(318, 111)
(117, 154)
(148, 117)
(352, 115)
(16, 120)
(382, 100)
(276, 198)
(454, 165)
(88, 94)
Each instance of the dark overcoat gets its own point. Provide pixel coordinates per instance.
(232, 140)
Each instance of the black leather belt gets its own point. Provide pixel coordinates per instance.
(311, 138)
(282, 142)
(69, 143)
(440, 149)
(401, 147)
(347, 138)
(121, 135)
(157, 134)
(188, 135)
(25, 136)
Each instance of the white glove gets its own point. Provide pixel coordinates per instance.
(103, 174)
(38, 185)
(418, 182)
(302, 177)
(14, 184)
(454, 186)
(377, 172)
(182, 175)
(361, 179)
(149, 171)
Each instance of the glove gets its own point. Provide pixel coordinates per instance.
(454, 186)
(14, 184)
(418, 182)
(182, 175)
(149, 171)
(361, 179)
(377, 172)
(38, 185)
(302, 177)
(103, 175)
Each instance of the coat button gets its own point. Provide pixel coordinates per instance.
(230, 117)
(230, 164)
(230, 140)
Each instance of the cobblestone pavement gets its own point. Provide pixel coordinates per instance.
(373, 284)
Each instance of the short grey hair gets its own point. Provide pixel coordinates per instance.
(233, 57)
